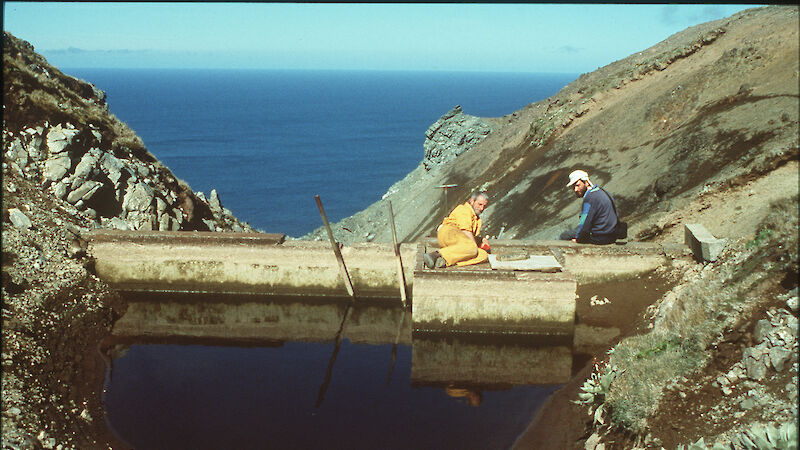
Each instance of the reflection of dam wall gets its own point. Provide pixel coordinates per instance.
(263, 319)
(437, 360)
(454, 361)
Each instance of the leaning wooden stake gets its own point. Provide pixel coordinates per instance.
(401, 276)
(336, 250)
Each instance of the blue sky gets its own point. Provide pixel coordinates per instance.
(564, 38)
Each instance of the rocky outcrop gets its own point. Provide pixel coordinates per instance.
(64, 139)
(453, 134)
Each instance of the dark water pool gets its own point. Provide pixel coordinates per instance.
(297, 386)
(200, 372)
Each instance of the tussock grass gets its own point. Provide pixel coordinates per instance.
(693, 316)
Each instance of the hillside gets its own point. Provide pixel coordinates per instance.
(711, 107)
(703, 127)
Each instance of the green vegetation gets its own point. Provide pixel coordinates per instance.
(691, 318)
(762, 236)
(758, 436)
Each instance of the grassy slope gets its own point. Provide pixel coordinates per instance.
(692, 320)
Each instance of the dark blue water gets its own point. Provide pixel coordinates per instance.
(268, 141)
(206, 397)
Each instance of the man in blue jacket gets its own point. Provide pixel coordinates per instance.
(598, 218)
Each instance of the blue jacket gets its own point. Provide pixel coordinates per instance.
(598, 219)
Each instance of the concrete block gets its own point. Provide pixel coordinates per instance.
(492, 301)
(704, 245)
(243, 263)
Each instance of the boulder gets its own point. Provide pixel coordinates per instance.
(74, 181)
(34, 148)
(115, 223)
(142, 170)
(213, 202)
(60, 189)
(19, 219)
(84, 192)
(762, 330)
(138, 198)
(164, 222)
(16, 152)
(161, 206)
(55, 168)
(84, 167)
(58, 139)
(791, 303)
(112, 167)
(141, 220)
(755, 362)
(778, 357)
(175, 223)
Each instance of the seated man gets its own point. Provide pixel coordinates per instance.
(598, 218)
(458, 235)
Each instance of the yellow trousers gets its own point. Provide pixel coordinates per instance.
(456, 248)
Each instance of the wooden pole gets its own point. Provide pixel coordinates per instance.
(394, 346)
(342, 268)
(337, 345)
(401, 276)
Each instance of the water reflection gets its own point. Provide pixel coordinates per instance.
(193, 372)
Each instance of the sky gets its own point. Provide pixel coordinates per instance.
(556, 38)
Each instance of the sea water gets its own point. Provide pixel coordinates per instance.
(268, 141)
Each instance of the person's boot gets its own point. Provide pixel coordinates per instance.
(433, 260)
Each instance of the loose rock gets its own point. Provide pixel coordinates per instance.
(19, 219)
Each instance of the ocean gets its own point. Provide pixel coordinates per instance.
(268, 141)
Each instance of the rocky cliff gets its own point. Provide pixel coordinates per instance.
(68, 166)
(58, 133)
(701, 111)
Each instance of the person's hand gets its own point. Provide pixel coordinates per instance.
(574, 240)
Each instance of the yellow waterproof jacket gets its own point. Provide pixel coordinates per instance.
(464, 218)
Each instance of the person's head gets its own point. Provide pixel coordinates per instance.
(479, 200)
(579, 182)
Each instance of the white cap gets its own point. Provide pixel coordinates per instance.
(577, 175)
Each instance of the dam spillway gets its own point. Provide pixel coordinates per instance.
(469, 299)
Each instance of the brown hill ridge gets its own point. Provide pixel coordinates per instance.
(708, 108)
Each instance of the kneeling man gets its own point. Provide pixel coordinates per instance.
(458, 235)
(598, 218)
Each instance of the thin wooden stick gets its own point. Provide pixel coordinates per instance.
(401, 276)
(337, 345)
(342, 268)
(394, 346)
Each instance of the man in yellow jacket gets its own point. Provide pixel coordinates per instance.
(458, 235)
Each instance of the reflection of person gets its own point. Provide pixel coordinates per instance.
(458, 233)
(598, 217)
(473, 397)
